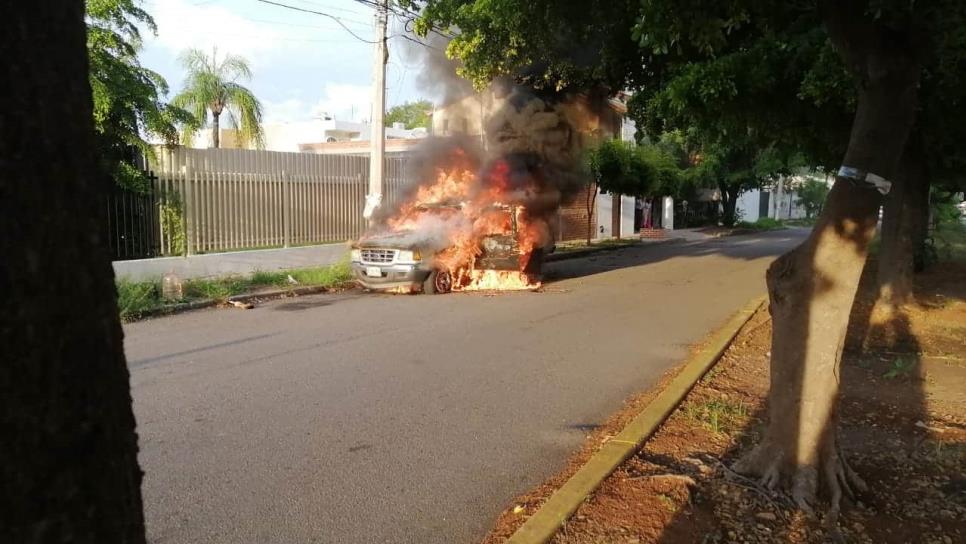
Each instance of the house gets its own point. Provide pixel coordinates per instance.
(777, 201)
(291, 137)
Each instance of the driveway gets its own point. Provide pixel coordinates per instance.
(375, 418)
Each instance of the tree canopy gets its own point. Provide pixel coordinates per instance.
(638, 170)
(811, 196)
(211, 85)
(128, 98)
(411, 114)
(545, 43)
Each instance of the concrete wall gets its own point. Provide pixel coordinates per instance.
(667, 215)
(747, 205)
(782, 204)
(238, 262)
(605, 216)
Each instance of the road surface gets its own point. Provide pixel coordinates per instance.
(358, 418)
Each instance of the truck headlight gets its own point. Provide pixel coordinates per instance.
(355, 255)
(407, 256)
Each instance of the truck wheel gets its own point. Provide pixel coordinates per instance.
(438, 282)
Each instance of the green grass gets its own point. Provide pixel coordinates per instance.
(720, 415)
(135, 299)
(803, 222)
(764, 223)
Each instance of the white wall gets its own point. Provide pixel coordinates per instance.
(747, 206)
(605, 204)
(667, 211)
(786, 206)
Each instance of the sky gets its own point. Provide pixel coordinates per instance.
(303, 64)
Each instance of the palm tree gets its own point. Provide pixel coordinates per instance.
(211, 85)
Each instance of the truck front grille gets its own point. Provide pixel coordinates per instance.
(378, 255)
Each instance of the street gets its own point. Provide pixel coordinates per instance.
(358, 417)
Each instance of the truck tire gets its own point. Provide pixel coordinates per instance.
(438, 282)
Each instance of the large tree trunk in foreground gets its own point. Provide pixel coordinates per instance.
(906, 205)
(812, 288)
(68, 459)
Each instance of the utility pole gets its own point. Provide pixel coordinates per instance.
(377, 129)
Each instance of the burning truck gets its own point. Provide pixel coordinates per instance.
(470, 229)
(479, 215)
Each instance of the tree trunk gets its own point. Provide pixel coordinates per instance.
(729, 203)
(591, 200)
(68, 460)
(811, 288)
(903, 211)
(920, 224)
(215, 129)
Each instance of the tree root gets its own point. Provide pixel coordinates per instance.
(801, 483)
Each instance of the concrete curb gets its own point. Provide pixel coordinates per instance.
(578, 253)
(283, 293)
(170, 309)
(181, 307)
(547, 520)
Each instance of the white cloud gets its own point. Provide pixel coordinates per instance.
(285, 111)
(345, 101)
(182, 25)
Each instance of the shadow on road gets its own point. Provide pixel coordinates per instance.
(745, 247)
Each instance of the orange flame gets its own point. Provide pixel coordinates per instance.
(497, 280)
(472, 210)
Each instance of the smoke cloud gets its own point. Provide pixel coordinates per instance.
(525, 146)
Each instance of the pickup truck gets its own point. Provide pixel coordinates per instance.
(405, 260)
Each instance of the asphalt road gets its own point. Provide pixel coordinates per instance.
(377, 418)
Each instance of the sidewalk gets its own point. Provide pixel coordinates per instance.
(692, 235)
(235, 263)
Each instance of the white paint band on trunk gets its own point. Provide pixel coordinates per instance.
(880, 183)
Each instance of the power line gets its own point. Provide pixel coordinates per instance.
(414, 40)
(334, 18)
(347, 29)
(320, 5)
(297, 25)
(408, 15)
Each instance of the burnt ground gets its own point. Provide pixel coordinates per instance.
(903, 409)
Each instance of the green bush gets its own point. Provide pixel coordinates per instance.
(172, 223)
(764, 223)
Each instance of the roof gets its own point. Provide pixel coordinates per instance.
(359, 147)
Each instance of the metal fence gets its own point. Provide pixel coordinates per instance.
(210, 200)
(133, 223)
